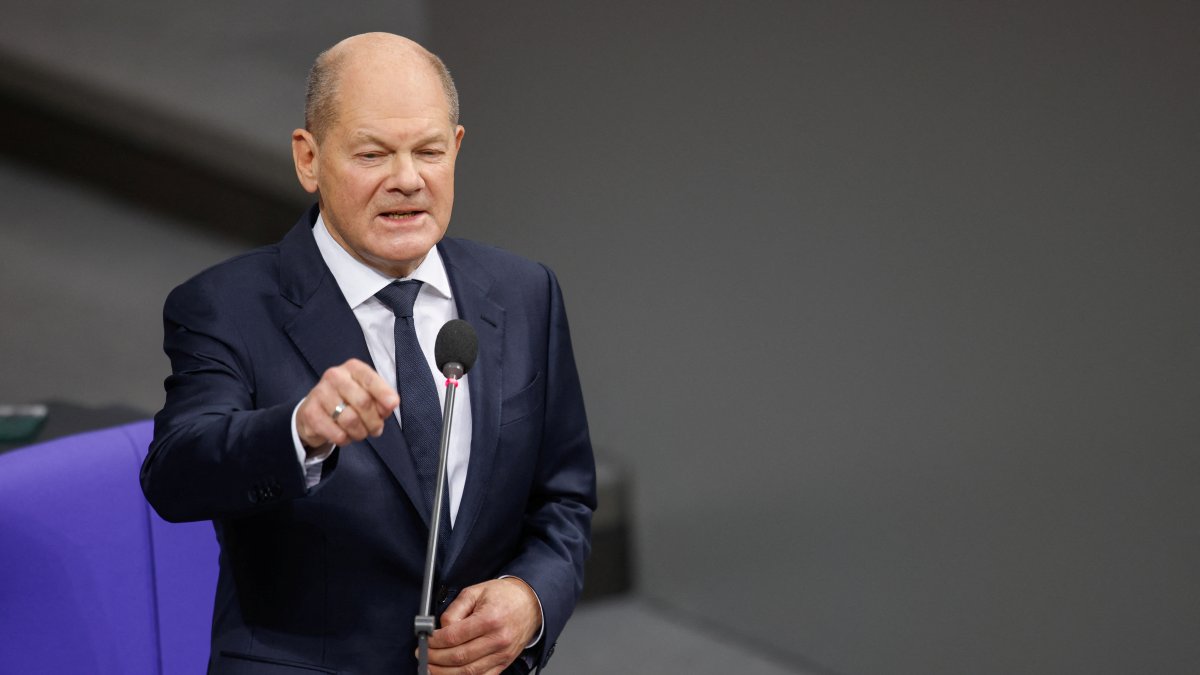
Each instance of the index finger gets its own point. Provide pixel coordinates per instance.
(374, 384)
(458, 633)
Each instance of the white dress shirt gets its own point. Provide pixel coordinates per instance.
(433, 307)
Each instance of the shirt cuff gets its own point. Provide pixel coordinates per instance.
(311, 466)
(541, 629)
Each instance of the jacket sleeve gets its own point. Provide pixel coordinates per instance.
(556, 536)
(215, 455)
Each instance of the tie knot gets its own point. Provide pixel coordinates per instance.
(399, 296)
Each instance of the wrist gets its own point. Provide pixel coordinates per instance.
(534, 627)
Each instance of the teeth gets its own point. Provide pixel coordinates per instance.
(399, 214)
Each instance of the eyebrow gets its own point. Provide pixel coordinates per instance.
(435, 137)
(364, 136)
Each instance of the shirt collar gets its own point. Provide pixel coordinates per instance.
(360, 282)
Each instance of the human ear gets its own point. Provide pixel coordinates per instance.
(304, 155)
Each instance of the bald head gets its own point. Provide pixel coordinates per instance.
(366, 51)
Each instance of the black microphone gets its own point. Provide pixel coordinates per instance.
(454, 352)
(456, 347)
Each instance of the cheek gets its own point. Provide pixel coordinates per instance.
(354, 185)
(442, 185)
(362, 197)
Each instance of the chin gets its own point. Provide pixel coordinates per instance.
(400, 261)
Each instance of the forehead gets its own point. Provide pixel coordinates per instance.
(391, 88)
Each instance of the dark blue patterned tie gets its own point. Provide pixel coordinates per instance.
(420, 414)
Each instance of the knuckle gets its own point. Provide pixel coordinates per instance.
(362, 399)
(312, 403)
(503, 642)
(494, 625)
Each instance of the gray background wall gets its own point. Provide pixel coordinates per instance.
(888, 307)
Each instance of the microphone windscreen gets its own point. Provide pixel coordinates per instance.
(456, 343)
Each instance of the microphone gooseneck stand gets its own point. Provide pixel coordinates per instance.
(425, 622)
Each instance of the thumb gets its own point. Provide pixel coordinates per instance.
(462, 607)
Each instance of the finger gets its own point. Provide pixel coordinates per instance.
(352, 422)
(463, 605)
(374, 384)
(479, 668)
(374, 399)
(314, 420)
(373, 413)
(477, 656)
(365, 419)
(459, 634)
(337, 388)
(357, 419)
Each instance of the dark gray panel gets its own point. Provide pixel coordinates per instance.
(890, 307)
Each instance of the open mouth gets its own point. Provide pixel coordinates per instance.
(401, 214)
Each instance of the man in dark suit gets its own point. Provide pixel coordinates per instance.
(288, 419)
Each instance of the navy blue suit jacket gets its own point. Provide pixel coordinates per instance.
(327, 579)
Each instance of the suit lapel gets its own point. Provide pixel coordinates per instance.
(472, 285)
(327, 334)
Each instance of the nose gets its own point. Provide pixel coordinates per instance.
(405, 177)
